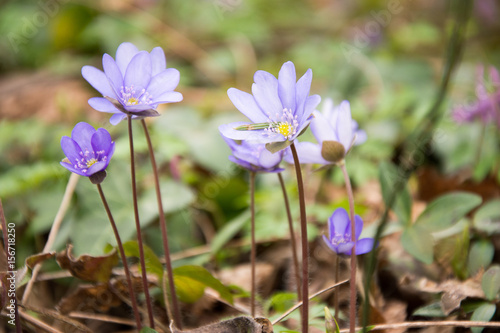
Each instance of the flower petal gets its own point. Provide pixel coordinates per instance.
(286, 85)
(321, 129)
(98, 80)
(302, 87)
(101, 141)
(257, 136)
(138, 72)
(158, 61)
(344, 125)
(311, 104)
(124, 54)
(102, 104)
(72, 169)
(340, 221)
(165, 81)
(241, 163)
(246, 104)
(82, 134)
(308, 152)
(265, 92)
(345, 248)
(71, 149)
(330, 245)
(358, 226)
(168, 97)
(112, 72)
(96, 167)
(269, 160)
(364, 245)
(116, 118)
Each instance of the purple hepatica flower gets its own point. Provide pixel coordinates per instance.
(333, 124)
(254, 156)
(487, 107)
(339, 234)
(135, 83)
(279, 109)
(87, 151)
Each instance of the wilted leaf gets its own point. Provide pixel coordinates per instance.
(447, 209)
(483, 313)
(191, 281)
(491, 282)
(88, 268)
(35, 259)
(418, 242)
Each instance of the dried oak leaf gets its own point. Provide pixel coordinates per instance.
(454, 292)
(86, 267)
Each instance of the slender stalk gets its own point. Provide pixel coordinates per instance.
(352, 283)
(305, 245)
(336, 294)
(124, 258)
(292, 237)
(253, 248)
(6, 245)
(138, 226)
(163, 226)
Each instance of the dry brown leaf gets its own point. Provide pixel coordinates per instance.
(235, 325)
(86, 267)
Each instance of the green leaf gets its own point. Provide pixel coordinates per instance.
(487, 217)
(491, 282)
(418, 242)
(447, 209)
(191, 281)
(483, 313)
(480, 256)
(432, 310)
(148, 330)
(388, 174)
(153, 264)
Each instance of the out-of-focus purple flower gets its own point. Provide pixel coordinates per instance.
(487, 106)
(333, 124)
(136, 82)
(279, 109)
(254, 156)
(339, 234)
(88, 151)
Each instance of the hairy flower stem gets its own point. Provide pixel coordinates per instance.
(163, 226)
(138, 226)
(336, 294)
(305, 245)
(292, 237)
(133, 299)
(352, 283)
(253, 249)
